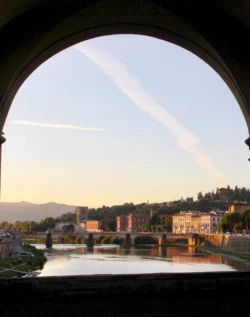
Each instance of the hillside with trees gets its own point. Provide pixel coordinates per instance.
(216, 199)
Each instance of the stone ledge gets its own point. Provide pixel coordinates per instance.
(184, 294)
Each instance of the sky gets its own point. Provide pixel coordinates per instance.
(122, 118)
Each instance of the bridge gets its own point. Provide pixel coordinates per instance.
(191, 238)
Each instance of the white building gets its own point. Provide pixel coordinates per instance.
(196, 222)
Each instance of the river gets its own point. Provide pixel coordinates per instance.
(75, 259)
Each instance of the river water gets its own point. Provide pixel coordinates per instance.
(75, 259)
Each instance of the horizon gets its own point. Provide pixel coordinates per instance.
(95, 207)
(122, 118)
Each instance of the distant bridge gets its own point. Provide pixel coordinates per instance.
(191, 238)
(155, 235)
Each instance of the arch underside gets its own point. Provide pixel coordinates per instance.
(218, 31)
(34, 33)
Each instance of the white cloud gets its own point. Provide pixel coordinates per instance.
(131, 87)
(57, 126)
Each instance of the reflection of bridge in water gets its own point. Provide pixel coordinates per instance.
(163, 238)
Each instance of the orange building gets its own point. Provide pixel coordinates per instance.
(131, 222)
(92, 225)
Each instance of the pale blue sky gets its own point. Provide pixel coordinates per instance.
(135, 157)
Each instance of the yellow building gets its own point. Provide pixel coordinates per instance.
(195, 222)
(238, 207)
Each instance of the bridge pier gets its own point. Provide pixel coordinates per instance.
(163, 240)
(90, 242)
(127, 241)
(193, 240)
(48, 241)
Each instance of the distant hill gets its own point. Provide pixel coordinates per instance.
(23, 210)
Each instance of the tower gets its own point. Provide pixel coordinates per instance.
(81, 217)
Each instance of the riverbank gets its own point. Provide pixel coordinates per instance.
(228, 254)
(16, 267)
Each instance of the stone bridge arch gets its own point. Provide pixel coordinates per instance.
(216, 31)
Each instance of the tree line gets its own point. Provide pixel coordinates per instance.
(235, 221)
(216, 199)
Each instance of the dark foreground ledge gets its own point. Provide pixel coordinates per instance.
(185, 294)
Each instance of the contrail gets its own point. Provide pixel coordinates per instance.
(56, 126)
(131, 87)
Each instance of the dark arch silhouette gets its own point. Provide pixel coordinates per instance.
(213, 30)
(218, 31)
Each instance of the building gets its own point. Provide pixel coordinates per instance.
(196, 222)
(131, 222)
(6, 247)
(121, 223)
(92, 226)
(81, 218)
(209, 222)
(238, 207)
(88, 226)
(82, 222)
(136, 221)
(81, 214)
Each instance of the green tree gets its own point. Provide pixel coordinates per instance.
(230, 222)
(3, 224)
(25, 226)
(8, 226)
(32, 226)
(203, 205)
(245, 217)
(199, 196)
(247, 220)
(68, 228)
(154, 219)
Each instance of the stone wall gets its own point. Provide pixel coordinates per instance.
(136, 295)
(240, 244)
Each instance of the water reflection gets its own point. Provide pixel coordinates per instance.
(112, 259)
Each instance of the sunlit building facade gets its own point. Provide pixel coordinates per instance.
(196, 222)
(92, 226)
(131, 222)
(238, 207)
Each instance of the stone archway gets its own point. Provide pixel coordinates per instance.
(218, 31)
